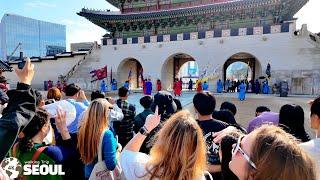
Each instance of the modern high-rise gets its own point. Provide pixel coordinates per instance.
(36, 38)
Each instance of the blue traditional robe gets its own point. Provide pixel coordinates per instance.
(242, 92)
(126, 85)
(103, 87)
(148, 88)
(114, 85)
(205, 87)
(219, 87)
(265, 88)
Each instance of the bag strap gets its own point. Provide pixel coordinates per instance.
(100, 146)
(14, 150)
(37, 153)
(208, 174)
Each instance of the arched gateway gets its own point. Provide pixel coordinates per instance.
(171, 69)
(130, 69)
(242, 66)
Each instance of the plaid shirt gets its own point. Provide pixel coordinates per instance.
(124, 128)
(128, 109)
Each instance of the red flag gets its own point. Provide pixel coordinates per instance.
(100, 73)
(104, 72)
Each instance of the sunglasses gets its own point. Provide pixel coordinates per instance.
(237, 148)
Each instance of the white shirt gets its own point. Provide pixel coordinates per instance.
(114, 115)
(313, 149)
(133, 165)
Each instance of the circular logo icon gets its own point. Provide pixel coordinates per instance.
(12, 167)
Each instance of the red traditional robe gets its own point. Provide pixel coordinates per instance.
(159, 85)
(199, 87)
(177, 88)
(144, 87)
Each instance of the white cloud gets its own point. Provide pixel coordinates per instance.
(309, 15)
(39, 4)
(70, 22)
(82, 31)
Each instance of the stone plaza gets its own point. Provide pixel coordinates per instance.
(245, 109)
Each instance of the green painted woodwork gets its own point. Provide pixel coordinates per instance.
(248, 14)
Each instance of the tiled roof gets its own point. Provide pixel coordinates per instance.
(290, 8)
(171, 12)
(55, 57)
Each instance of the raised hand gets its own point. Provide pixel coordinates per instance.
(82, 95)
(26, 74)
(61, 120)
(221, 134)
(61, 124)
(310, 102)
(153, 120)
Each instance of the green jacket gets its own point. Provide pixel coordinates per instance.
(42, 159)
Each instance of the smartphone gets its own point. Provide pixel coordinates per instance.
(21, 64)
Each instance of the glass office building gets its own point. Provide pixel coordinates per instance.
(37, 38)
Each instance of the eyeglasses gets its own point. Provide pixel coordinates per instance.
(237, 148)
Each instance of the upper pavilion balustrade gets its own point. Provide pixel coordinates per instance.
(154, 5)
(214, 33)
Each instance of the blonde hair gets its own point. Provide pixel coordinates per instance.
(278, 156)
(94, 123)
(179, 151)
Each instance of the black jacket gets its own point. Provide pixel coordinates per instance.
(20, 110)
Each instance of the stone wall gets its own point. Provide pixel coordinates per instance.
(46, 70)
(300, 81)
(290, 56)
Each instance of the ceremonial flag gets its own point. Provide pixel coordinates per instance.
(111, 76)
(248, 70)
(268, 70)
(104, 72)
(130, 75)
(141, 75)
(99, 74)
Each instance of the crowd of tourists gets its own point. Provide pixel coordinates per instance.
(108, 139)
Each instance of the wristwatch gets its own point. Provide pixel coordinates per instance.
(143, 131)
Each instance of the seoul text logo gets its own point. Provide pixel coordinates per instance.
(13, 168)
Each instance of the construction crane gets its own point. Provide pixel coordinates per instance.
(14, 51)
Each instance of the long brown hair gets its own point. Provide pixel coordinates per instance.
(94, 123)
(179, 151)
(278, 156)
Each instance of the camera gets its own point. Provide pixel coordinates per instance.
(21, 64)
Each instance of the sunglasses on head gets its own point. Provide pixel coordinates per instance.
(237, 148)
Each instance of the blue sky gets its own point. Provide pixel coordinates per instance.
(79, 29)
(60, 11)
